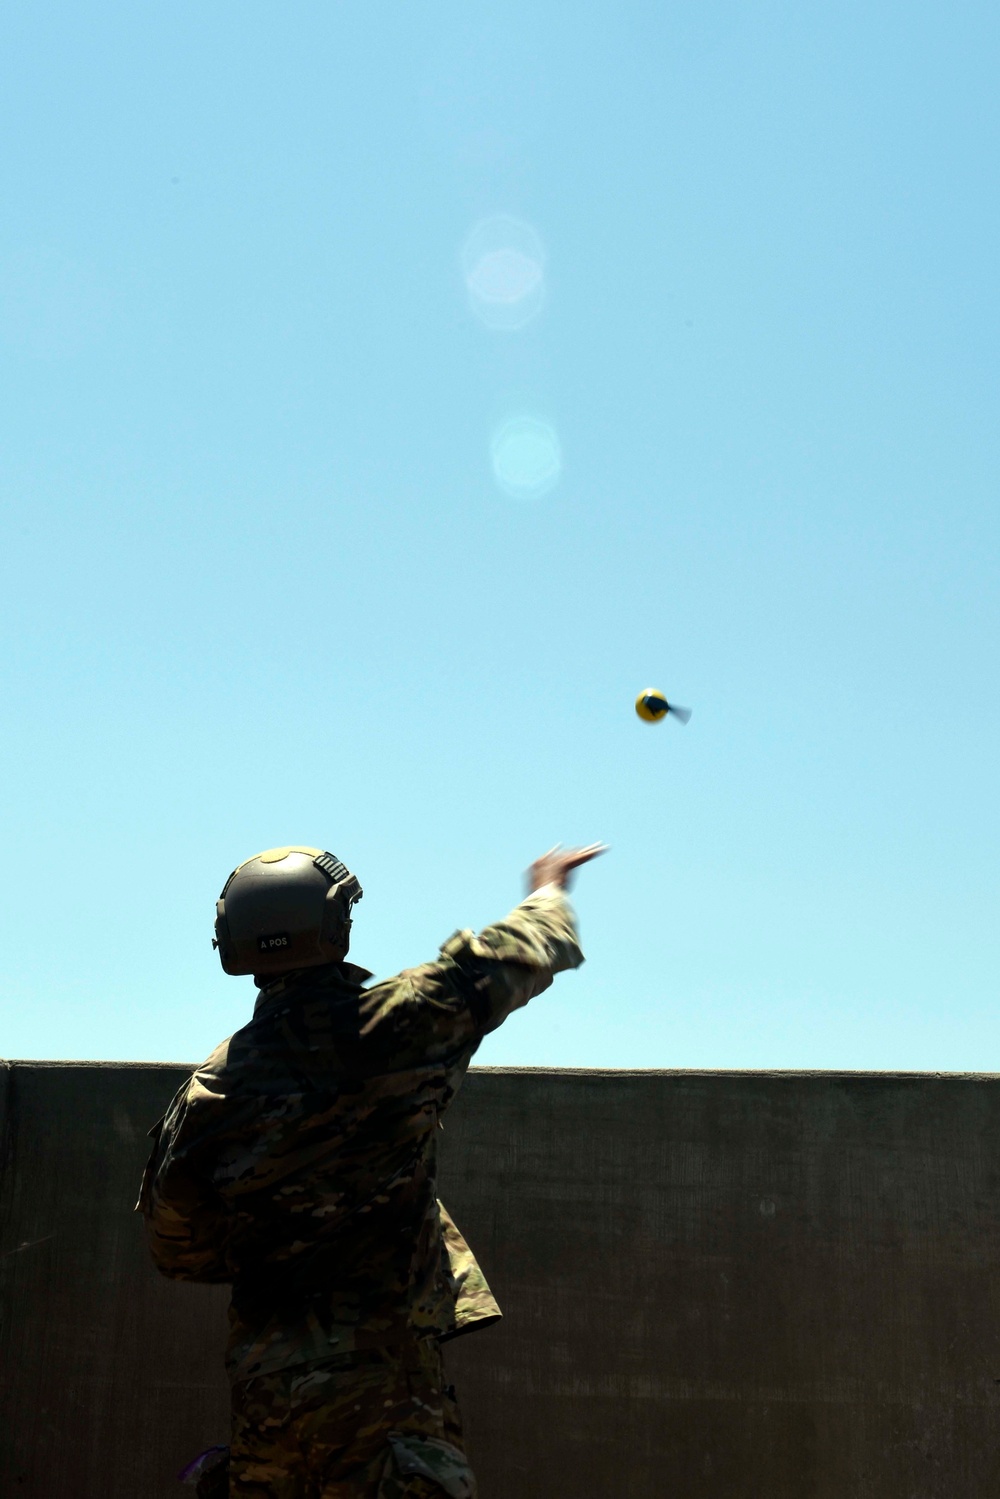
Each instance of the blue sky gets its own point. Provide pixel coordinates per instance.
(391, 393)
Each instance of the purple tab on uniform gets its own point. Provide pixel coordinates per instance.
(202, 1464)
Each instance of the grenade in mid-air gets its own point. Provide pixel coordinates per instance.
(651, 705)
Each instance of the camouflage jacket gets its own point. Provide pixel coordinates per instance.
(299, 1161)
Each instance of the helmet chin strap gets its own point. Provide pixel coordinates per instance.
(345, 941)
(337, 923)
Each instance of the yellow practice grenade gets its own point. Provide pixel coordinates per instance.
(651, 705)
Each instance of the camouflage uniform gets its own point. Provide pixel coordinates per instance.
(299, 1163)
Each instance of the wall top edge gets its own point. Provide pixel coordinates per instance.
(735, 1072)
(43, 1062)
(582, 1072)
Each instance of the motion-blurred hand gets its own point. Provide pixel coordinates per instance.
(557, 866)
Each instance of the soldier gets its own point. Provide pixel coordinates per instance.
(298, 1163)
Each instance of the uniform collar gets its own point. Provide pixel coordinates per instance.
(342, 976)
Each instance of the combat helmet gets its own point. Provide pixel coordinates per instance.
(285, 908)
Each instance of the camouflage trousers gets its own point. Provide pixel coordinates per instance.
(375, 1425)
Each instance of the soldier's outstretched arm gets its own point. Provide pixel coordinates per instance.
(442, 1010)
(513, 960)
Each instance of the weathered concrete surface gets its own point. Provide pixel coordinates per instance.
(110, 1377)
(743, 1286)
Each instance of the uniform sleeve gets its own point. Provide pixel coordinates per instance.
(515, 959)
(437, 1014)
(187, 1226)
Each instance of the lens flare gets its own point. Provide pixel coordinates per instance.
(526, 456)
(503, 265)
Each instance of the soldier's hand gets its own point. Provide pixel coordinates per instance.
(557, 866)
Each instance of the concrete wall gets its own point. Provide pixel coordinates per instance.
(736, 1285)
